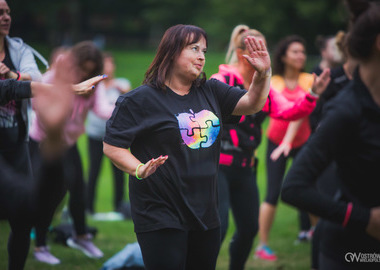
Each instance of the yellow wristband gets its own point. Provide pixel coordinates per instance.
(137, 169)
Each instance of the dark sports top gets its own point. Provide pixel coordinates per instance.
(14, 90)
(182, 193)
(238, 142)
(12, 125)
(348, 134)
(338, 81)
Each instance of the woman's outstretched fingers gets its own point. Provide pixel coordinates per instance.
(87, 87)
(249, 45)
(262, 45)
(151, 166)
(256, 44)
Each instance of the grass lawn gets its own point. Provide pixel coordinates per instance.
(113, 236)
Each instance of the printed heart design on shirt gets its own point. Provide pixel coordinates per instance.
(198, 130)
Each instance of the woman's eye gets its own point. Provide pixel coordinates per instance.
(194, 49)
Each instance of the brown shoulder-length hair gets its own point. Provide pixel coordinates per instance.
(364, 28)
(175, 39)
(280, 51)
(84, 52)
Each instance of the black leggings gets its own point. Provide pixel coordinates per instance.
(237, 189)
(327, 183)
(65, 175)
(96, 155)
(275, 175)
(16, 206)
(179, 250)
(20, 199)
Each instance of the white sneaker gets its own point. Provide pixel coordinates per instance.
(86, 246)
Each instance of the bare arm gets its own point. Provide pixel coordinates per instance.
(286, 144)
(86, 87)
(373, 227)
(18, 76)
(254, 100)
(127, 162)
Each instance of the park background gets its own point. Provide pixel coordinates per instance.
(131, 30)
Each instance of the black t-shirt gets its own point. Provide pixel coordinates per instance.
(12, 126)
(182, 193)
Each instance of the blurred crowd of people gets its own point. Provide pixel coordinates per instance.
(189, 145)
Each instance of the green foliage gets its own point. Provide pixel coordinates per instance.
(139, 24)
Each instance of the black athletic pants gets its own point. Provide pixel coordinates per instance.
(17, 201)
(66, 175)
(96, 156)
(20, 200)
(275, 175)
(173, 249)
(237, 189)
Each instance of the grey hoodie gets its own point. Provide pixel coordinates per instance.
(24, 62)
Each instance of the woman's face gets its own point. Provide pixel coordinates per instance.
(331, 53)
(108, 66)
(191, 61)
(5, 18)
(295, 56)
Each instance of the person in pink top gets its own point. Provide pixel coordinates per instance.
(68, 174)
(237, 188)
(289, 80)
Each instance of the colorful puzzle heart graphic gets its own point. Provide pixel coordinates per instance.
(198, 130)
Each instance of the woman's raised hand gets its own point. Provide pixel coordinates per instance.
(258, 55)
(86, 88)
(150, 167)
(321, 82)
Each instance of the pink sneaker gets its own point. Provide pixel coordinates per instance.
(42, 254)
(265, 253)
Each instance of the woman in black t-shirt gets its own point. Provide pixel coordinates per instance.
(172, 124)
(349, 135)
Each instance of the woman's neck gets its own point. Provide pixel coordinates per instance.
(291, 77)
(180, 87)
(369, 73)
(324, 64)
(349, 68)
(246, 73)
(2, 48)
(2, 44)
(108, 82)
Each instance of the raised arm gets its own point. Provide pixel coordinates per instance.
(253, 101)
(281, 108)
